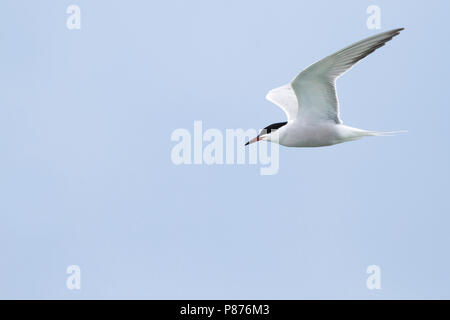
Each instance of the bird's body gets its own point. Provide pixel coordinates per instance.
(311, 104)
(305, 135)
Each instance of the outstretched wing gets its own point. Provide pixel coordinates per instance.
(314, 88)
(285, 98)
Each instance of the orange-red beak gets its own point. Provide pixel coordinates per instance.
(253, 140)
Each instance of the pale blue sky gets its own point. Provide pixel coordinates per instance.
(86, 176)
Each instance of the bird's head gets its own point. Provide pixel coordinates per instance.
(267, 133)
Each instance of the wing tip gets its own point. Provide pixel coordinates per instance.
(395, 32)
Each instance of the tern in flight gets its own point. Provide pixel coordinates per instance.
(311, 103)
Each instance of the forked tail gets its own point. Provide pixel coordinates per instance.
(385, 133)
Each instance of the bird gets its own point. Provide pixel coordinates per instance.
(311, 104)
